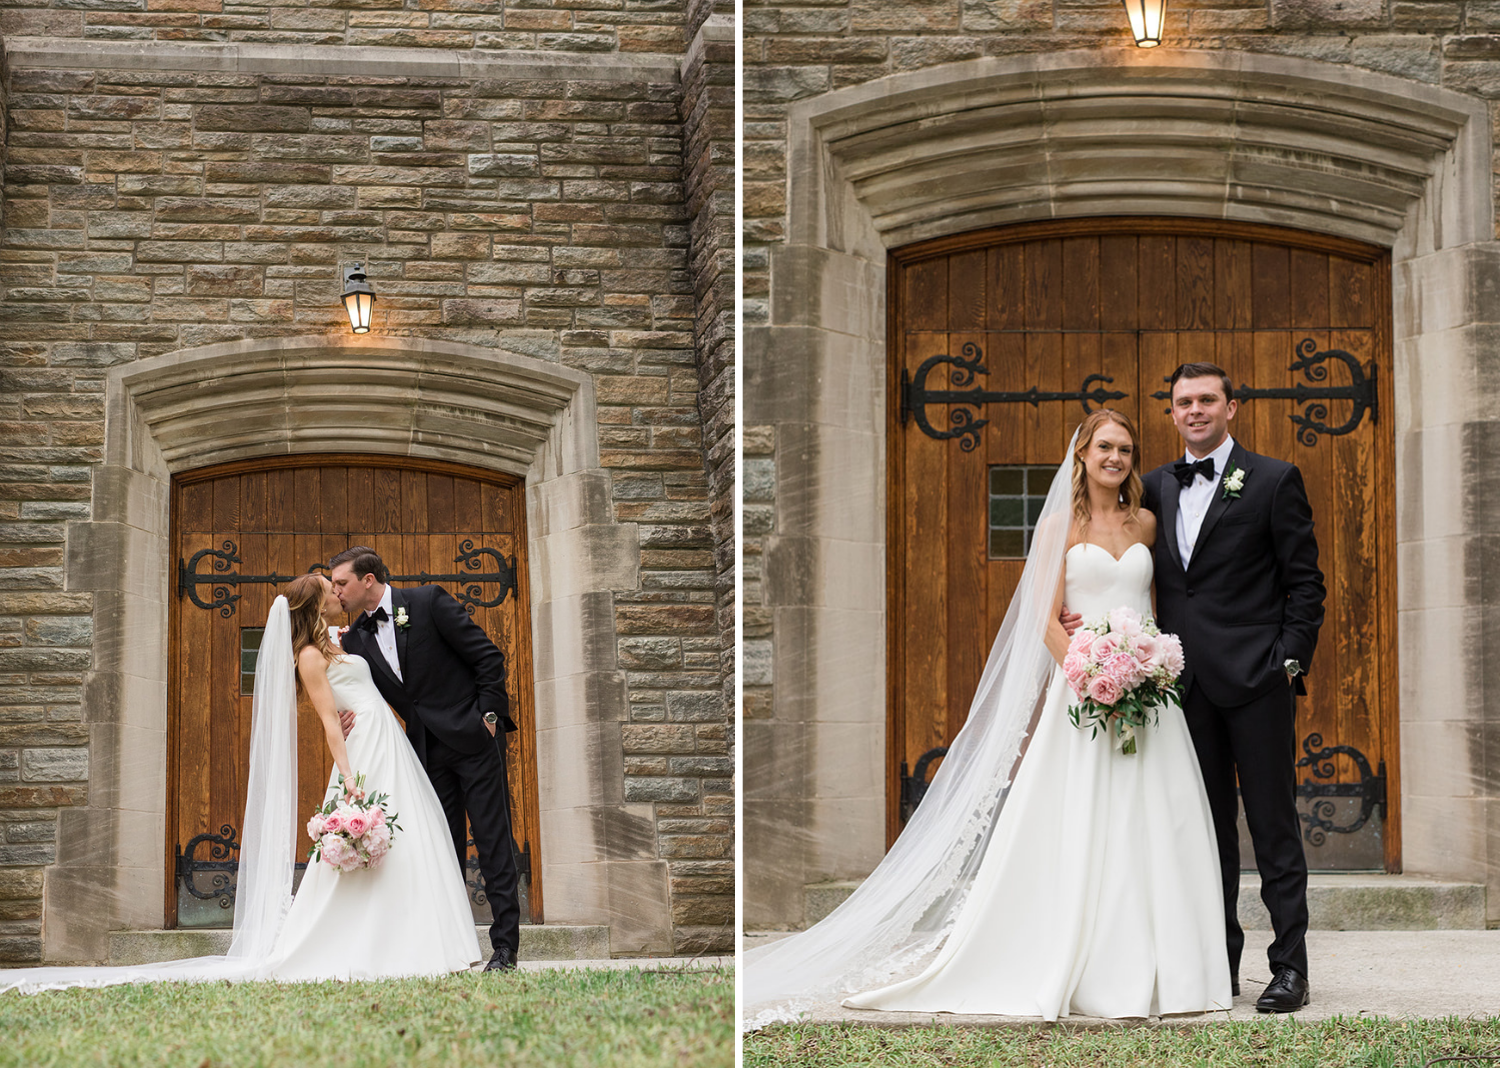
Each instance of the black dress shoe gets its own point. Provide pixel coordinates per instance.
(1288, 992)
(502, 961)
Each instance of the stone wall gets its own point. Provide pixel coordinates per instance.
(583, 26)
(168, 203)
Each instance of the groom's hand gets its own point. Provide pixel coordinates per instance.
(1069, 620)
(346, 720)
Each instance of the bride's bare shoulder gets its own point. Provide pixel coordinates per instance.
(310, 660)
(1147, 519)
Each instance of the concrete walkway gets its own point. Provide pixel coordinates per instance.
(650, 964)
(1354, 973)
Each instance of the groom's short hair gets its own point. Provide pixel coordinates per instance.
(1202, 370)
(364, 560)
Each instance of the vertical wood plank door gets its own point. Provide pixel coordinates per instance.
(238, 526)
(1116, 305)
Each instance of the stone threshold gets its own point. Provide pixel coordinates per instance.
(539, 942)
(1341, 901)
(68, 53)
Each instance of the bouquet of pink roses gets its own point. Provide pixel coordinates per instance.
(1123, 669)
(352, 831)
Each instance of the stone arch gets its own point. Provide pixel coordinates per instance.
(953, 148)
(395, 396)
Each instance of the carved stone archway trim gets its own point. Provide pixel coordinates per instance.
(1289, 142)
(395, 396)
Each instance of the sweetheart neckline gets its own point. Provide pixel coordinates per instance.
(1106, 552)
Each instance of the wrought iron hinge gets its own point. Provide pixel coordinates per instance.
(915, 396)
(1370, 790)
(914, 787)
(1361, 390)
(221, 578)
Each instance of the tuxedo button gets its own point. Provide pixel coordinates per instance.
(1190, 593)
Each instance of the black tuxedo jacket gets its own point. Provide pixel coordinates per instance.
(453, 673)
(1251, 597)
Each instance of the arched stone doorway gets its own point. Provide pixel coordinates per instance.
(387, 396)
(1294, 143)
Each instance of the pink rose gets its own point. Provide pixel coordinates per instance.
(1104, 689)
(1074, 667)
(1148, 651)
(315, 826)
(333, 823)
(1125, 622)
(1080, 643)
(1124, 669)
(357, 824)
(1172, 658)
(377, 816)
(1104, 647)
(335, 850)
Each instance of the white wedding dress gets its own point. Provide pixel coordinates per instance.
(1099, 891)
(409, 916)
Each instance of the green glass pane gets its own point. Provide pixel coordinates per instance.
(1007, 543)
(247, 682)
(1034, 507)
(250, 637)
(1007, 480)
(1006, 511)
(1039, 480)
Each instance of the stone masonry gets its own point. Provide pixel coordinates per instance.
(161, 205)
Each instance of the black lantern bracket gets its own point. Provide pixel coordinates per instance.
(915, 396)
(471, 582)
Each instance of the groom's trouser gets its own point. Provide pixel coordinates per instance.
(476, 783)
(1257, 741)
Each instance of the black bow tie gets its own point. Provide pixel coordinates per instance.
(1186, 471)
(371, 621)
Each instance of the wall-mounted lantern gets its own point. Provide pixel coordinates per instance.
(359, 298)
(1146, 19)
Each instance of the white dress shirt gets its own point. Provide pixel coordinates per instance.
(1194, 500)
(385, 635)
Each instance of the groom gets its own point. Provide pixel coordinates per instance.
(441, 672)
(1237, 579)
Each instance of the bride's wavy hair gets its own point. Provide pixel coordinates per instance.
(1131, 489)
(304, 600)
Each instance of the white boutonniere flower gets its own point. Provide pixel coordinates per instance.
(402, 620)
(1234, 481)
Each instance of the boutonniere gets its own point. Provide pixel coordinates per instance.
(402, 620)
(1234, 481)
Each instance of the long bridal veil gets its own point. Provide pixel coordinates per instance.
(900, 915)
(264, 890)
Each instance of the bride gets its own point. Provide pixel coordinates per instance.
(1080, 880)
(407, 916)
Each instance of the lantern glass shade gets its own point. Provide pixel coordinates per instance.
(1146, 19)
(359, 299)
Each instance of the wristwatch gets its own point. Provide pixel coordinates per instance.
(1293, 668)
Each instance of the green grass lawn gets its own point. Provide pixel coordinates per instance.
(620, 1019)
(1337, 1043)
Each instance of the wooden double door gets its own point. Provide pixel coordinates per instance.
(240, 533)
(1105, 310)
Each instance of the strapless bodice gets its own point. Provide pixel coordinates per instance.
(1096, 582)
(353, 686)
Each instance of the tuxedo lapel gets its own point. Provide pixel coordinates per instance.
(1166, 526)
(398, 601)
(1220, 504)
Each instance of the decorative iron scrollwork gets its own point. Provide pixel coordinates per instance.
(470, 593)
(1370, 789)
(474, 878)
(219, 867)
(914, 787)
(1361, 390)
(915, 396)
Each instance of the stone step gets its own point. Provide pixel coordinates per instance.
(1341, 901)
(548, 941)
